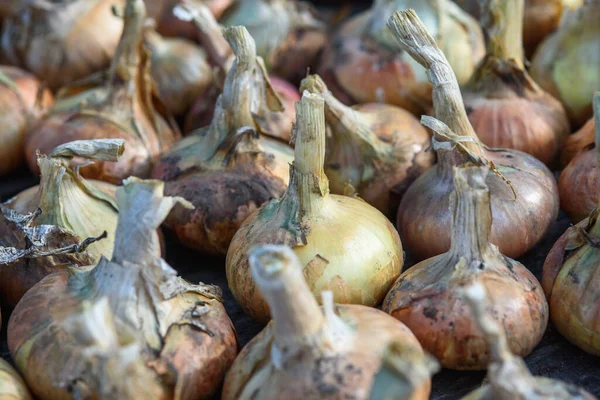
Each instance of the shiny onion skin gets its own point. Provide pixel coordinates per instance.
(363, 64)
(62, 41)
(578, 142)
(358, 263)
(423, 218)
(505, 106)
(235, 165)
(66, 200)
(184, 340)
(306, 352)
(379, 149)
(118, 105)
(508, 377)
(12, 386)
(19, 109)
(427, 296)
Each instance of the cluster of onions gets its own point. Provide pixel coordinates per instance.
(230, 168)
(21, 100)
(427, 296)
(566, 63)
(579, 184)
(184, 341)
(169, 23)
(75, 208)
(288, 34)
(524, 194)
(358, 263)
(119, 107)
(363, 63)
(578, 142)
(61, 41)
(12, 386)
(508, 377)
(333, 352)
(379, 149)
(505, 106)
(572, 267)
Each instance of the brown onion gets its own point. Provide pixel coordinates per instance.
(12, 386)
(523, 208)
(362, 62)
(578, 142)
(61, 41)
(232, 167)
(379, 149)
(309, 353)
(344, 244)
(505, 106)
(119, 107)
(19, 109)
(427, 297)
(183, 341)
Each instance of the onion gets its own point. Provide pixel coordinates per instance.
(427, 296)
(508, 377)
(363, 63)
(358, 263)
(119, 107)
(505, 106)
(566, 63)
(423, 216)
(288, 34)
(379, 149)
(77, 208)
(309, 353)
(170, 25)
(183, 341)
(230, 168)
(61, 41)
(19, 109)
(12, 386)
(578, 142)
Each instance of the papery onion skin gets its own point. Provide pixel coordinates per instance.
(63, 42)
(12, 386)
(578, 185)
(578, 142)
(18, 112)
(171, 26)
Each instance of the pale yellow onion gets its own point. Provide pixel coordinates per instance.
(12, 386)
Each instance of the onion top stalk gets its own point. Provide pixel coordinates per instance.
(578, 142)
(114, 104)
(184, 341)
(524, 195)
(358, 263)
(378, 149)
(76, 208)
(230, 168)
(505, 106)
(362, 63)
(12, 386)
(337, 351)
(508, 377)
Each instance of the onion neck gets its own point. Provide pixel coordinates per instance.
(503, 22)
(596, 107)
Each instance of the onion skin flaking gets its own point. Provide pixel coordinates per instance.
(19, 95)
(186, 340)
(379, 149)
(358, 263)
(119, 105)
(524, 194)
(312, 353)
(426, 297)
(363, 63)
(505, 106)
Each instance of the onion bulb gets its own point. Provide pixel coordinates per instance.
(524, 194)
(19, 109)
(311, 353)
(379, 149)
(578, 142)
(579, 185)
(363, 63)
(183, 342)
(61, 41)
(288, 34)
(170, 25)
(566, 63)
(358, 263)
(119, 107)
(12, 386)
(508, 377)
(232, 167)
(77, 208)
(505, 106)
(427, 297)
